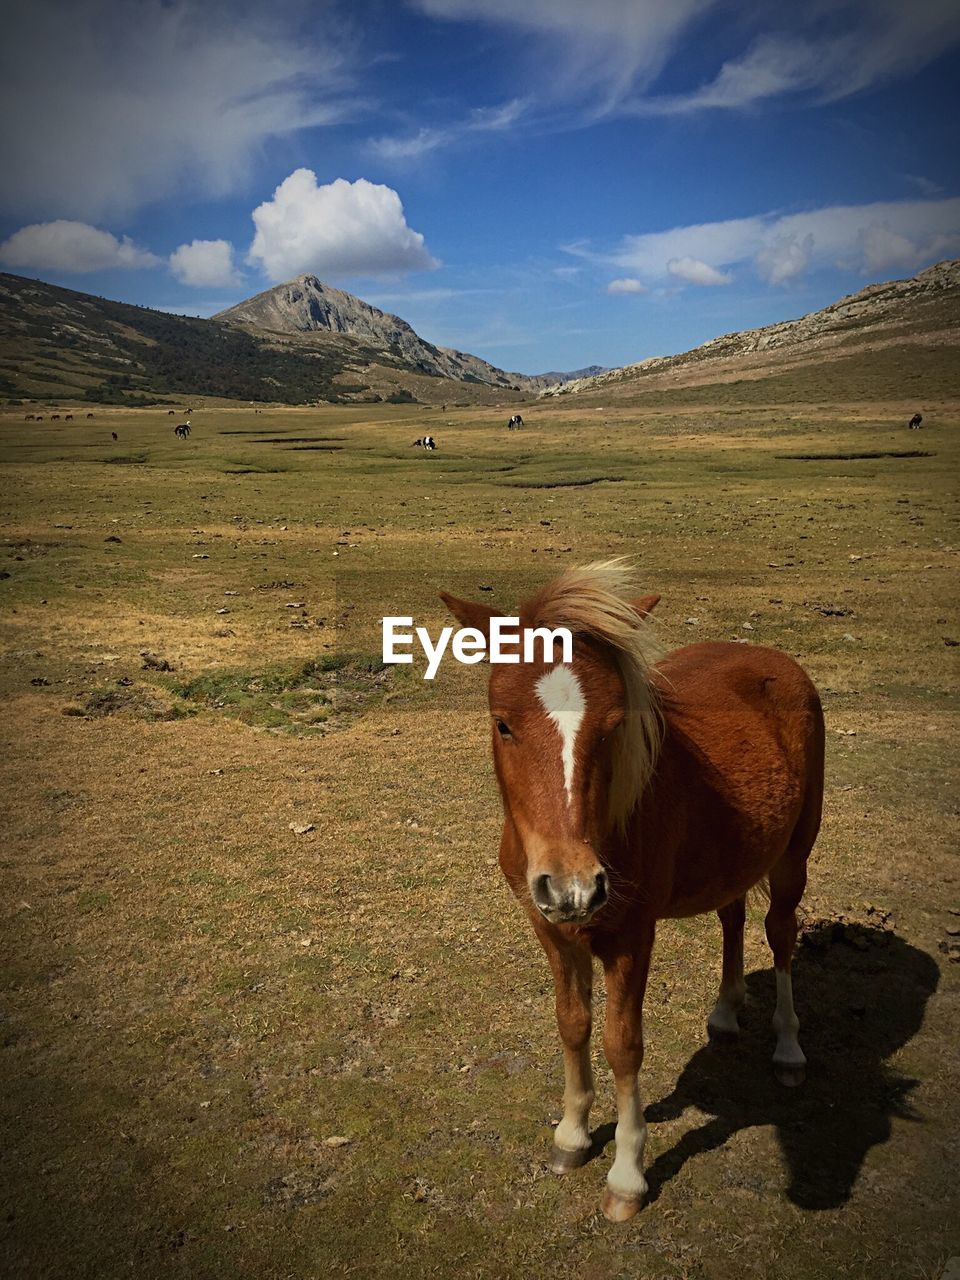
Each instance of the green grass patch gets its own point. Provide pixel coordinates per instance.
(307, 698)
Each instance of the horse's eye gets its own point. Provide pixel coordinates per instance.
(503, 729)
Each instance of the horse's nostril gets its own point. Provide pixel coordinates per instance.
(569, 897)
(541, 891)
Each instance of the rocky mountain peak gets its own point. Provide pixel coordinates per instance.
(307, 305)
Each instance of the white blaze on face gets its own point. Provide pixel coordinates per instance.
(562, 698)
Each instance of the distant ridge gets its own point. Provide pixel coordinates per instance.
(554, 377)
(918, 315)
(898, 340)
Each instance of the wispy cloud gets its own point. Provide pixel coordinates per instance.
(926, 186)
(409, 297)
(870, 239)
(413, 146)
(597, 52)
(107, 109)
(606, 57)
(71, 246)
(869, 43)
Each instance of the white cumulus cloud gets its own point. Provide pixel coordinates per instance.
(71, 246)
(205, 264)
(627, 284)
(693, 271)
(339, 229)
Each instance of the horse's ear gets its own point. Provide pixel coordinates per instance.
(470, 612)
(645, 605)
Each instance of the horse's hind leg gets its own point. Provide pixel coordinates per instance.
(723, 1019)
(788, 878)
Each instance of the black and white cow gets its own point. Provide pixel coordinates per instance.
(425, 442)
(915, 421)
(515, 423)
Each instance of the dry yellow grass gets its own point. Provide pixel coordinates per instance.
(197, 999)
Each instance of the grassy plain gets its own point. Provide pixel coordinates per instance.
(233, 1050)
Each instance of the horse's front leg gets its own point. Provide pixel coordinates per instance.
(626, 978)
(572, 966)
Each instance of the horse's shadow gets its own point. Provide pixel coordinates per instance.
(857, 1006)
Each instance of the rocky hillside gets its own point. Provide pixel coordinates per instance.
(907, 325)
(58, 344)
(307, 306)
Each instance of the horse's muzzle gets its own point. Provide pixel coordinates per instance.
(569, 899)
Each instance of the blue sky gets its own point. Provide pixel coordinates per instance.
(546, 184)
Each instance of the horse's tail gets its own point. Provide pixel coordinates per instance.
(760, 892)
(807, 825)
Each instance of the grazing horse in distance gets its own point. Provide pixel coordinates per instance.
(89, 416)
(638, 788)
(183, 430)
(515, 423)
(68, 418)
(171, 412)
(915, 421)
(425, 442)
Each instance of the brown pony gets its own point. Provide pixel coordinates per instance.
(637, 788)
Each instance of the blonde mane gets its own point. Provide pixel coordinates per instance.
(595, 600)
